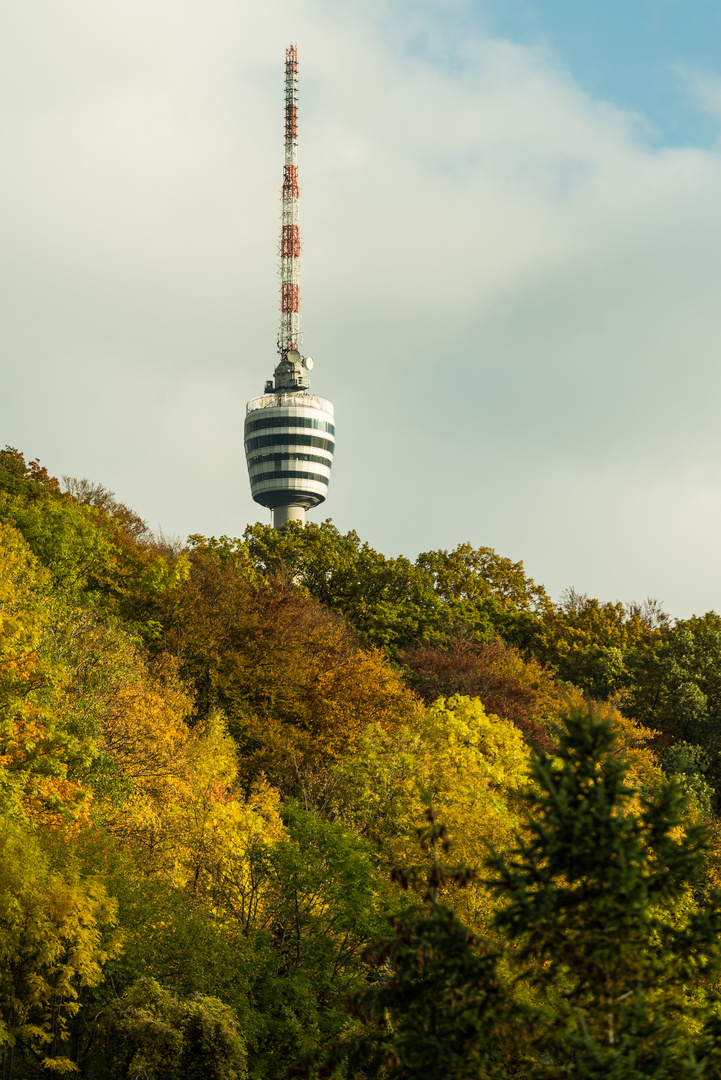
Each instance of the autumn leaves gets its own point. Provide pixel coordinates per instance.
(214, 764)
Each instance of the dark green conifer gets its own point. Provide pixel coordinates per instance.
(598, 902)
(435, 1008)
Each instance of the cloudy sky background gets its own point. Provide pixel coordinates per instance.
(512, 275)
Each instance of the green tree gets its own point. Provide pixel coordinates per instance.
(597, 896)
(435, 1007)
(96, 550)
(688, 763)
(150, 1033)
(674, 686)
(393, 603)
(592, 644)
(390, 602)
(485, 593)
(326, 905)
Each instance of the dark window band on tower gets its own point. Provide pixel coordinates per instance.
(291, 476)
(288, 422)
(266, 459)
(288, 440)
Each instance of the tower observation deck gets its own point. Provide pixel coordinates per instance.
(289, 433)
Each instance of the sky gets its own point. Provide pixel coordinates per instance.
(511, 214)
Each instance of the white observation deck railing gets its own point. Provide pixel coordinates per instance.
(274, 401)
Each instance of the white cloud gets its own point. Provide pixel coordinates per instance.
(499, 272)
(704, 87)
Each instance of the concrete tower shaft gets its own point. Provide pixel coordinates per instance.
(289, 433)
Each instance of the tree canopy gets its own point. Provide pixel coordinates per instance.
(281, 805)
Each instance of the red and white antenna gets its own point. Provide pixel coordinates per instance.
(289, 337)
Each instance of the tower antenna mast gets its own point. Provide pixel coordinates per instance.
(289, 433)
(289, 337)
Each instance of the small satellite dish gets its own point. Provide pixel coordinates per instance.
(293, 356)
(308, 363)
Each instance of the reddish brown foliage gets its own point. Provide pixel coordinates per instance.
(507, 685)
(296, 687)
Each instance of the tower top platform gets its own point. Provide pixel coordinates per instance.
(299, 401)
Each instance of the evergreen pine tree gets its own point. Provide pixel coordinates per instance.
(436, 1008)
(597, 901)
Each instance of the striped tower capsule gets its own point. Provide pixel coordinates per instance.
(289, 433)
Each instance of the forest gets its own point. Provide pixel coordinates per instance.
(280, 806)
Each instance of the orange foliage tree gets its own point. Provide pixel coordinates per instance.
(295, 685)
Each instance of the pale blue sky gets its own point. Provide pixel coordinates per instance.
(626, 51)
(631, 53)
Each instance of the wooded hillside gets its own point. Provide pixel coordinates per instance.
(280, 805)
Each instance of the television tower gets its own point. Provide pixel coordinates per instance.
(289, 433)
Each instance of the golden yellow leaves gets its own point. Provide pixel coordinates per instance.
(23, 584)
(470, 765)
(34, 753)
(56, 932)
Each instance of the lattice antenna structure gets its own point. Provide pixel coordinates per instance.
(289, 433)
(289, 336)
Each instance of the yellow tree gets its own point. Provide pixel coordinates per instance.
(37, 754)
(56, 932)
(469, 765)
